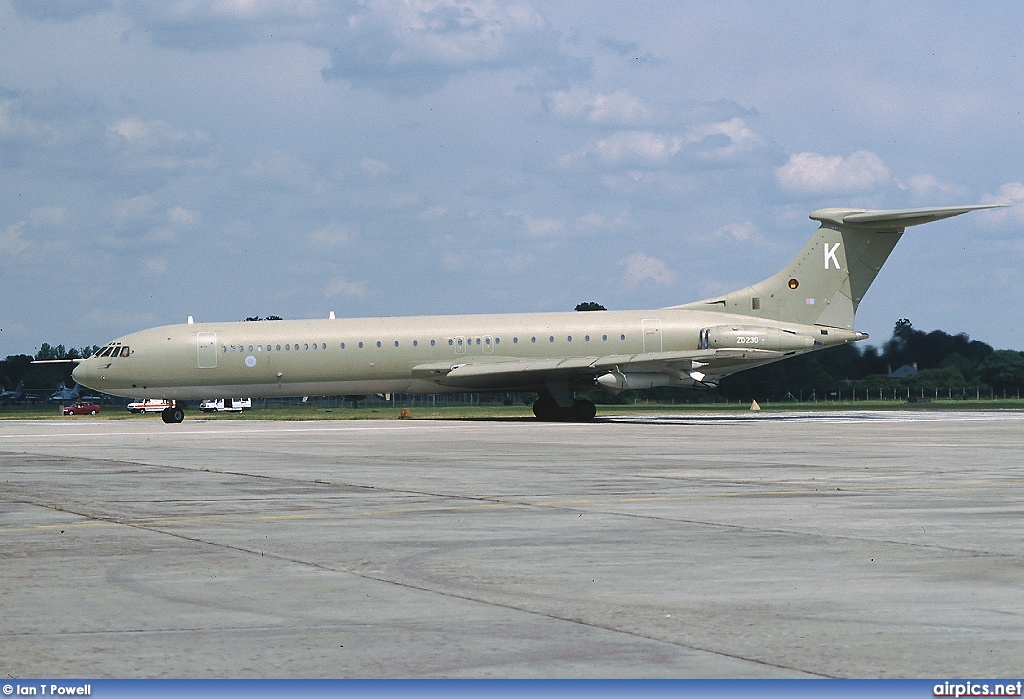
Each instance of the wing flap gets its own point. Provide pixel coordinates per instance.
(489, 372)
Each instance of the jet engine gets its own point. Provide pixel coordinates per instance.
(753, 337)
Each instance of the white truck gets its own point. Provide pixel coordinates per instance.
(230, 405)
(150, 405)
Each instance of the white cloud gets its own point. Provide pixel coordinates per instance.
(48, 217)
(620, 107)
(331, 235)
(640, 267)
(642, 147)
(280, 169)
(157, 145)
(1010, 194)
(339, 286)
(129, 211)
(543, 227)
(12, 240)
(739, 231)
(373, 167)
(741, 138)
(594, 221)
(182, 216)
(928, 185)
(403, 46)
(813, 173)
(154, 133)
(155, 265)
(711, 141)
(433, 212)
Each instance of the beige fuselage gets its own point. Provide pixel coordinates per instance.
(411, 354)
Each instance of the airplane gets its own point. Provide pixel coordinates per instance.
(809, 305)
(63, 394)
(13, 395)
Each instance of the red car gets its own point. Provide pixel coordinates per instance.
(82, 409)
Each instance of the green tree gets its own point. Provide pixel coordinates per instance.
(1003, 370)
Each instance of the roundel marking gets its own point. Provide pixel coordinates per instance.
(250, 361)
(793, 283)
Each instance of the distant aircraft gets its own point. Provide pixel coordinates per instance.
(14, 395)
(808, 305)
(63, 394)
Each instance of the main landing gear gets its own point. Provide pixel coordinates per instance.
(173, 415)
(547, 409)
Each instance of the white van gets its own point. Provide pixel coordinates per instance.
(230, 405)
(150, 405)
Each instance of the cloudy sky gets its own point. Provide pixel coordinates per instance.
(247, 157)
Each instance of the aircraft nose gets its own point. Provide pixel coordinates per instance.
(82, 374)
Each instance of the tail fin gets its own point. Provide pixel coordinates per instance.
(826, 281)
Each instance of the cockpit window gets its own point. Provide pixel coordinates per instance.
(125, 351)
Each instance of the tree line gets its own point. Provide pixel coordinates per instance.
(16, 368)
(942, 361)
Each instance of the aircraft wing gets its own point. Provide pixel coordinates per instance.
(508, 373)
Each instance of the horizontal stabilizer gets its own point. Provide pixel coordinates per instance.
(893, 219)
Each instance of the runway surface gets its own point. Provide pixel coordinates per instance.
(827, 544)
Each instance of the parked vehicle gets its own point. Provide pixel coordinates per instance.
(150, 405)
(231, 405)
(82, 409)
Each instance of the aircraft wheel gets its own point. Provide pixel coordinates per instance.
(173, 415)
(584, 410)
(546, 409)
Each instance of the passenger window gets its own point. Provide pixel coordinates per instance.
(279, 348)
(569, 338)
(378, 343)
(431, 343)
(551, 338)
(533, 339)
(323, 345)
(305, 346)
(605, 338)
(396, 343)
(360, 345)
(287, 347)
(343, 345)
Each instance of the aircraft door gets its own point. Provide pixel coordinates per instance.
(652, 334)
(460, 345)
(488, 344)
(206, 348)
